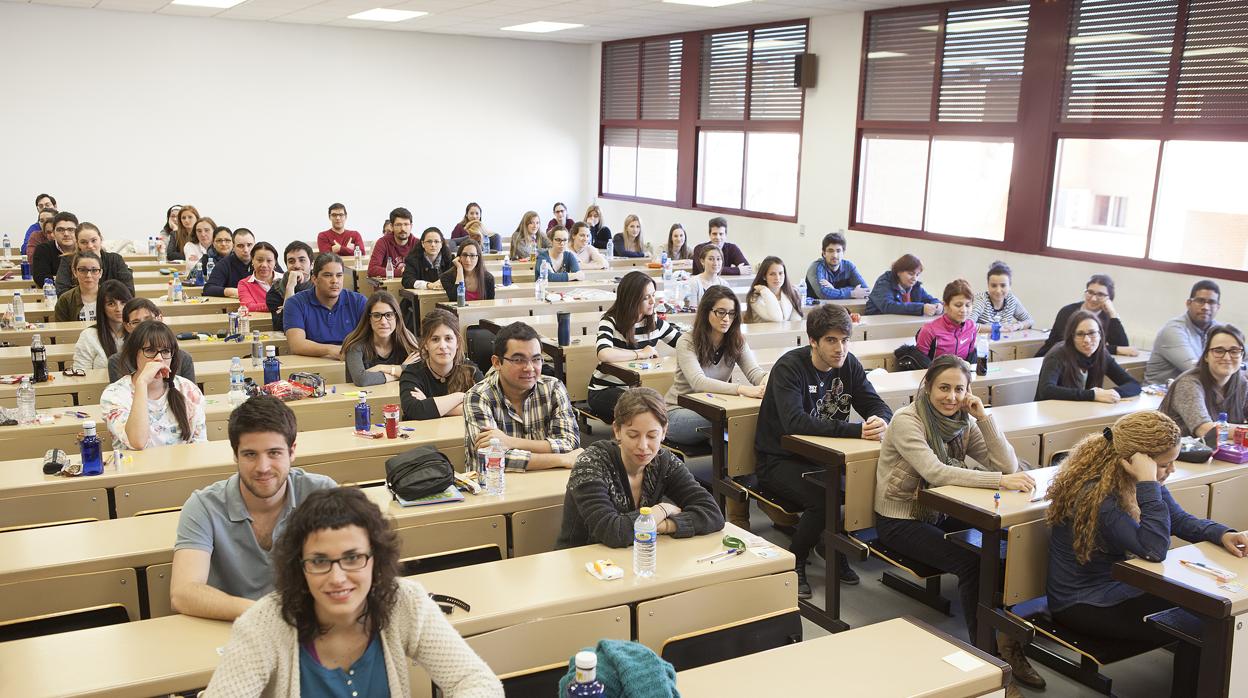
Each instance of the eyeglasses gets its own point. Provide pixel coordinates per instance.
(64, 230)
(522, 361)
(562, 241)
(153, 353)
(1211, 302)
(347, 563)
(388, 315)
(1236, 353)
(1096, 294)
(469, 255)
(1090, 334)
(723, 314)
(89, 270)
(136, 322)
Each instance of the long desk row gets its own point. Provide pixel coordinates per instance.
(68, 332)
(42, 310)
(61, 356)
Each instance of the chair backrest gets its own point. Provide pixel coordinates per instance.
(535, 531)
(153, 497)
(448, 544)
(1226, 505)
(719, 606)
(541, 648)
(159, 578)
(53, 509)
(56, 604)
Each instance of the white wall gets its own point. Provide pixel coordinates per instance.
(263, 125)
(1146, 298)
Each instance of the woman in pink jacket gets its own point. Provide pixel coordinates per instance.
(264, 270)
(954, 332)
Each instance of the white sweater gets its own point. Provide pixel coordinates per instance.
(89, 353)
(262, 657)
(767, 308)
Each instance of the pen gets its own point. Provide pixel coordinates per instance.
(713, 396)
(1217, 573)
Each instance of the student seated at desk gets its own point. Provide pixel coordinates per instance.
(44, 203)
(735, 263)
(771, 297)
(222, 246)
(833, 277)
(563, 264)
(630, 242)
(339, 240)
(614, 478)
(233, 267)
(1077, 369)
(319, 319)
(176, 241)
(135, 313)
(435, 385)
(678, 251)
(472, 214)
(705, 360)
(221, 559)
(199, 244)
(954, 332)
(598, 232)
(528, 239)
(427, 262)
(998, 304)
(587, 255)
(898, 291)
(1217, 384)
(46, 260)
(810, 391)
(560, 220)
(469, 269)
(392, 250)
(101, 340)
(341, 620)
(78, 303)
(44, 235)
(1109, 501)
(113, 266)
(380, 345)
(253, 290)
(154, 406)
(1098, 299)
(529, 413)
(711, 263)
(1178, 343)
(298, 277)
(927, 445)
(628, 331)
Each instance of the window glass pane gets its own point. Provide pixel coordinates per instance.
(771, 173)
(1103, 195)
(1202, 210)
(720, 158)
(656, 165)
(891, 181)
(619, 161)
(968, 187)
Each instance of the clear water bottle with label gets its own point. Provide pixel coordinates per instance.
(359, 260)
(801, 292)
(49, 291)
(26, 401)
(19, 310)
(151, 245)
(177, 288)
(389, 268)
(610, 249)
(257, 350)
(238, 391)
(494, 471)
(1224, 430)
(212, 264)
(586, 684)
(8, 246)
(91, 450)
(461, 294)
(645, 544)
(485, 245)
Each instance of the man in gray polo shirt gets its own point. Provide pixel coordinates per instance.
(226, 531)
(1181, 341)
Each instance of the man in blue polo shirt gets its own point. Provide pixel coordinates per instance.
(318, 319)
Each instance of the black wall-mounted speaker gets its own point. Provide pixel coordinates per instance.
(804, 70)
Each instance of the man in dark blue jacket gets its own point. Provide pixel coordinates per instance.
(232, 268)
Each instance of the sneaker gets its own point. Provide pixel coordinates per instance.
(803, 585)
(848, 575)
(1012, 652)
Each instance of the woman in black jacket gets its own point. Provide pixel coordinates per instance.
(428, 261)
(469, 268)
(1098, 298)
(434, 386)
(1077, 369)
(599, 234)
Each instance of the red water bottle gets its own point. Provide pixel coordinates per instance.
(391, 414)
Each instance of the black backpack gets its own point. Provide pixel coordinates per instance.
(909, 358)
(417, 473)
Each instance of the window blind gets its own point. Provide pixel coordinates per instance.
(982, 64)
(1213, 73)
(901, 66)
(723, 75)
(620, 75)
(772, 94)
(1118, 60)
(660, 79)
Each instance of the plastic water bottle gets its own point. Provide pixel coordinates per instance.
(38, 360)
(485, 244)
(151, 245)
(25, 269)
(389, 268)
(610, 249)
(506, 272)
(19, 310)
(645, 544)
(801, 291)
(49, 291)
(494, 472)
(244, 322)
(212, 264)
(177, 288)
(981, 355)
(26, 401)
(92, 455)
(161, 248)
(1224, 430)
(363, 414)
(257, 350)
(272, 365)
(586, 683)
(359, 260)
(667, 271)
(237, 394)
(6, 244)
(461, 294)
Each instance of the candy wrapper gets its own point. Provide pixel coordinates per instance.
(605, 570)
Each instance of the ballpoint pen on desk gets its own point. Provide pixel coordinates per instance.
(1217, 573)
(713, 396)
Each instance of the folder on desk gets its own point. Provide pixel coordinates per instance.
(450, 494)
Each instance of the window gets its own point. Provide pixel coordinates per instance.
(733, 144)
(1121, 141)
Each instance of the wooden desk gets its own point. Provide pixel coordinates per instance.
(68, 332)
(534, 490)
(61, 356)
(40, 553)
(475, 311)
(858, 662)
(1224, 651)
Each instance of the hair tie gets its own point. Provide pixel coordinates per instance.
(1108, 434)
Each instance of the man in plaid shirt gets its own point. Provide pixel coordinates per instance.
(530, 414)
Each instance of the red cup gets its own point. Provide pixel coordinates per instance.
(391, 414)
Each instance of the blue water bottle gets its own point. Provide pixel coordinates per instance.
(586, 683)
(272, 366)
(92, 458)
(25, 269)
(506, 272)
(996, 331)
(363, 416)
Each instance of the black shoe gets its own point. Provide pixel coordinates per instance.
(803, 586)
(848, 575)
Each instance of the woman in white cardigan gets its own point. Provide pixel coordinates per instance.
(341, 617)
(104, 338)
(771, 297)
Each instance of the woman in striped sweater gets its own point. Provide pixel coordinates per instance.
(629, 331)
(998, 304)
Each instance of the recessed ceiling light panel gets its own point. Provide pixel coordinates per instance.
(706, 3)
(219, 4)
(382, 14)
(541, 27)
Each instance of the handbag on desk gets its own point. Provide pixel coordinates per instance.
(418, 473)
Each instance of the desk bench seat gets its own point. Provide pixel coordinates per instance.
(927, 593)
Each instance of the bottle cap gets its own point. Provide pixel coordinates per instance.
(645, 511)
(586, 660)
(270, 350)
(88, 425)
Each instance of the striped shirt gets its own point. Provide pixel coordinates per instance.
(611, 337)
(545, 415)
(1011, 312)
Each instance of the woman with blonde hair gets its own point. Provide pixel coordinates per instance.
(528, 239)
(1108, 502)
(630, 242)
(599, 234)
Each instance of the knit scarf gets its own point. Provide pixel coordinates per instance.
(944, 434)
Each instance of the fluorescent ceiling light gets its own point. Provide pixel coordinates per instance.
(219, 4)
(706, 3)
(541, 27)
(977, 25)
(885, 54)
(382, 14)
(1104, 38)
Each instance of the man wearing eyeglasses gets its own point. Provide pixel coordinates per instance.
(1181, 340)
(318, 319)
(810, 392)
(530, 414)
(47, 258)
(226, 530)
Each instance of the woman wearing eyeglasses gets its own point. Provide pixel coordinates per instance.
(136, 312)
(1077, 369)
(153, 406)
(1098, 299)
(380, 345)
(1217, 384)
(341, 621)
(101, 340)
(78, 303)
(469, 269)
(564, 266)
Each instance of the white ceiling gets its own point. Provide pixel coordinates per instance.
(604, 20)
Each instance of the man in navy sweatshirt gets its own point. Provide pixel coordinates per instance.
(832, 277)
(232, 268)
(810, 391)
